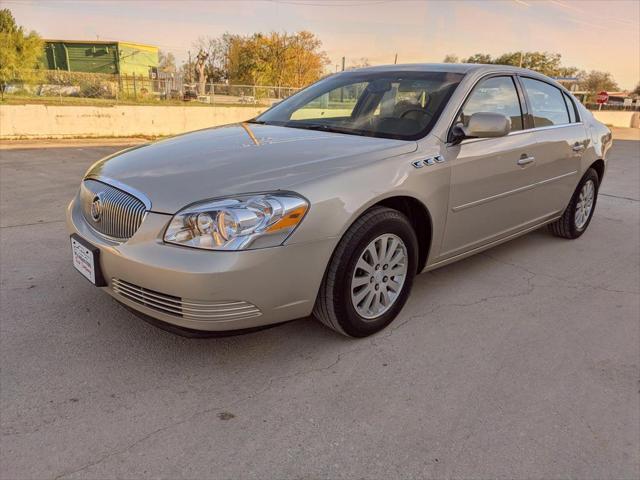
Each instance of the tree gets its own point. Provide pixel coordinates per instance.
(278, 59)
(636, 91)
(479, 58)
(306, 61)
(201, 63)
(361, 63)
(450, 58)
(569, 72)
(19, 53)
(595, 81)
(216, 67)
(166, 62)
(543, 62)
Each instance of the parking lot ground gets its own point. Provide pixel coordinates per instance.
(522, 362)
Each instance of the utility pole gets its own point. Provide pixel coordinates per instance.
(189, 66)
(342, 88)
(396, 59)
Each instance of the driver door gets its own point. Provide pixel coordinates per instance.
(492, 192)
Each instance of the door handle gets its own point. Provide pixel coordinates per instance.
(577, 147)
(525, 159)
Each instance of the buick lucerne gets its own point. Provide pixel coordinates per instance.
(330, 202)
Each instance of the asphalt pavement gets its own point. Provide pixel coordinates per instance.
(521, 362)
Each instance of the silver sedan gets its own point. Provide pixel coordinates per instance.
(330, 202)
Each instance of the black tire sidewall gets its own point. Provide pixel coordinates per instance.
(350, 321)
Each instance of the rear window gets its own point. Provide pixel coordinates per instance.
(547, 103)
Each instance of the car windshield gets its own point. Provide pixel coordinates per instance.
(400, 105)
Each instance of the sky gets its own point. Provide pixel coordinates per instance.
(589, 34)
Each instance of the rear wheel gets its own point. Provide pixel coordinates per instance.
(370, 274)
(577, 216)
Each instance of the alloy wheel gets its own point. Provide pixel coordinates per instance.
(379, 276)
(584, 204)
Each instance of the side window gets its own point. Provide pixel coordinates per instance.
(573, 118)
(494, 95)
(547, 104)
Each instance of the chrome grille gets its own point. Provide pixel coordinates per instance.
(179, 307)
(120, 212)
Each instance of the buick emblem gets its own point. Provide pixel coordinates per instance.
(96, 208)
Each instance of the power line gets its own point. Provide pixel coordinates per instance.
(329, 4)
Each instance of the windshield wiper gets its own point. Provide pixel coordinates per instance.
(259, 122)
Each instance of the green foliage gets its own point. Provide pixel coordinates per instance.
(636, 91)
(264, 59)
(450, 58)
(543, 62)
(217, 50)
(478, 58)
(166, 62)
(549, 64)
(595, 81)
(19, 53)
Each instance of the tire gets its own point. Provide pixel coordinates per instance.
(569, 226)
(393, 237)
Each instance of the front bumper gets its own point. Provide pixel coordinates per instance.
(207, 290)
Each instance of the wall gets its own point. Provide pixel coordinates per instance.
(94, 57)
(137, 59)
(46, 121)
(618, 119)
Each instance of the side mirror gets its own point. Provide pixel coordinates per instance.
(482, 125)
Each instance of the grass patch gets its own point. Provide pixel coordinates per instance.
(109, 102)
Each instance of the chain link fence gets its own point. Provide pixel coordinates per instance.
(78, 88)
(633, 107)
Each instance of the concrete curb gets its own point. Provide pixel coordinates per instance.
(72, 143)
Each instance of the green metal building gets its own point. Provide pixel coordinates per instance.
(100, 57)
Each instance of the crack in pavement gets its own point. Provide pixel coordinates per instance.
(618, 196)
(207, 411)
(530, 288)
(372, 342)
(558, 279)
(30, 224)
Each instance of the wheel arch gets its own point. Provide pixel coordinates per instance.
(420, 218)
(599, 167)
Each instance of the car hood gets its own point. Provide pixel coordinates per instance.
(236, 159)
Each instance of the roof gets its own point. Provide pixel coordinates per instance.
(420, 67)
(477, 69)
(444, 67)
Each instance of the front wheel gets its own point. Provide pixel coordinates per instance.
(370, 274)
(577, 216)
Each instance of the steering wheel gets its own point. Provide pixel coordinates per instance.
(419, 110)
(425, 116)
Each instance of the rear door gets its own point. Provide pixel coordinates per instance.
(561, 140)
(492, 179)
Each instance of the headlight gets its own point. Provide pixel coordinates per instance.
(238, 223)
